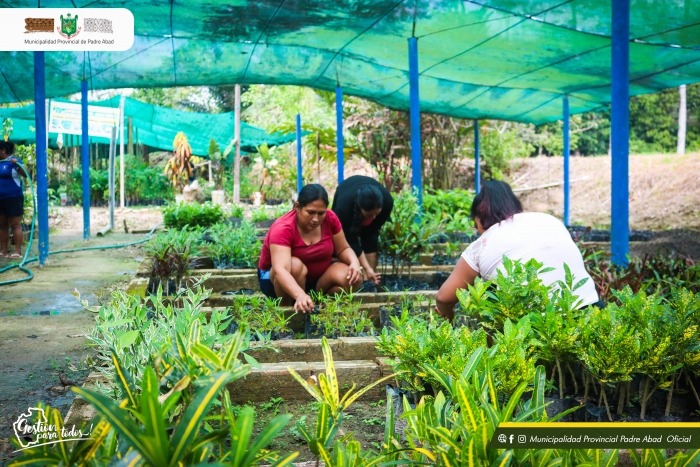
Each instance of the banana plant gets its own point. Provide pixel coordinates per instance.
(178, 168)
(147, 437)
(326, 390)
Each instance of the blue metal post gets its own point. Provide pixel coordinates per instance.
(619, 231)
(300, 180)
(86, 159)
(339, 133)
(42, 181)
(477, 158)
(416, 157)
(567, 151)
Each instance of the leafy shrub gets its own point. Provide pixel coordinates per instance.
(177, 216)
(653, 273)
(167, 370)
(651, 336)
(265, 213)
(234, 247)
(340, 316)
(260, 215)
(172, 255)
(260, 316)
(136, 329)
(142, 183)
(403, 236)
(236, 211)
(452, 207)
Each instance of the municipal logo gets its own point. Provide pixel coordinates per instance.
(69, 26)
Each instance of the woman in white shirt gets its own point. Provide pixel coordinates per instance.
(508, 231)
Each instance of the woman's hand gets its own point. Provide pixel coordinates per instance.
(373, 276)
(354, 273)
(448, 315)
(303, 304)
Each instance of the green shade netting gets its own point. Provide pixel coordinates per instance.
(157, 126)
(503, 59)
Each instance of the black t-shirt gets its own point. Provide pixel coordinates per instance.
(344, 208)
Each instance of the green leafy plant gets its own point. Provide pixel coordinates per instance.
(218, 162)
(133, 331)
(177, 216)
(326, 390)
(260, 316)
(452, 207)
(340, 316)
(517, 291)
(172, 256)
(403, 237)
(236, 211)
(261, 214)
(233, 247)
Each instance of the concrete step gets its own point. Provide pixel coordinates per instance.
(274, 380)
(309, 350)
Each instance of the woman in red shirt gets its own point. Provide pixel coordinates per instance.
(298, 250)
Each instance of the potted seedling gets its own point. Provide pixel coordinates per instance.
(218, 166)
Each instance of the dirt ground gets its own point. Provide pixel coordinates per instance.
(664, 196)
(664, 190)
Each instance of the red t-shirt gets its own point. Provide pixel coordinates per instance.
(316, 257)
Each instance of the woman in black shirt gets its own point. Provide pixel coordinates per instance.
(363, 205)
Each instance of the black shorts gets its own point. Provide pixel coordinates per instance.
(268, 288)
(12, 207)
(370, 243)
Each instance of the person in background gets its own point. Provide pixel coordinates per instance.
(297, 254)
(363, 206)
(508, 231)
(11, 199)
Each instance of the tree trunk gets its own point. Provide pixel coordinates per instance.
(573, 377)
(621, 398)
(682, 120)
(692, 388)
(628, 393)
(605, 399)
(561, 378)
(646, 396)
(667, 412)
(643, 412)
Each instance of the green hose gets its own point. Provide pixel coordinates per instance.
(27, 260)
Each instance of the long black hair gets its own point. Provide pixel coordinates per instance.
(8, 147)
(369, 198)
(312, 192)
(495, 202)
